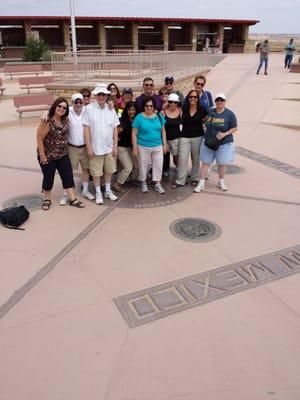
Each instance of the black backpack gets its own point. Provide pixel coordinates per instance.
(13, 217)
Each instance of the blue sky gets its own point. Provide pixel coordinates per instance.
(276, 16)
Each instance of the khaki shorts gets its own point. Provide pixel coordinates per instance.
(78, 156)
(173, 146)
(100, 164)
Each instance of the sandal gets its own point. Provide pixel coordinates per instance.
(76, 203)
(46, 204)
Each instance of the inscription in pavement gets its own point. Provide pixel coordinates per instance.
(137, 200)
(270, 162)
(165, 299)
(31, 202)
(195, 229)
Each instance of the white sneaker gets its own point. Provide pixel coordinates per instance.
(99, 198)
(64, 200)
(222, 187)
(144, 187)
(110, 195)
(199, 188)
(88, 195)
(159, 189)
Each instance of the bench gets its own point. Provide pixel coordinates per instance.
(37, 102)
(1, 87)
(23, 69)
(34, 82)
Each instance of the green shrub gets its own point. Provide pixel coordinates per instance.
(34, 49)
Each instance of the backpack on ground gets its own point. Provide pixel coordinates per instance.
(13, 217)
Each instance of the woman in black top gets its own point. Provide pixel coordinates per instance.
(172, 114)
(193, 116)
(125, 156)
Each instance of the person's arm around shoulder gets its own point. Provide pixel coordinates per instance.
(42, 132)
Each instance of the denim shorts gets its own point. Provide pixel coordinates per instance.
(223, 156)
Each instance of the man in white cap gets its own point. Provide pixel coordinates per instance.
(76, 146)
(101, 138)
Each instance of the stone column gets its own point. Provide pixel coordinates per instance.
(135, 36)
(102, 37)
(194, 30)
(245, 36)
(27, 29)
(220, 31)
(67, 38)
(165, 36)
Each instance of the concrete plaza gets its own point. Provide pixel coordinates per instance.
(63, 332)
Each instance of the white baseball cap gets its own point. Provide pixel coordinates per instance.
(76, 96)
(100, 88)
(220, 96)
(174, 97)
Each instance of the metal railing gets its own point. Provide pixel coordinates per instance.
(128, 65)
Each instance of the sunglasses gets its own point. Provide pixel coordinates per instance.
(148, 84)
(78, 102)
(172, 102)
(86, 96)
(200, 84)
(149, 106)
(193, 97)
(101, 94)
(61, 106)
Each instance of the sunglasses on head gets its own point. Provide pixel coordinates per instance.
(61, 106)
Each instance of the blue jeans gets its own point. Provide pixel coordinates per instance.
(287, 61)
(263, 60)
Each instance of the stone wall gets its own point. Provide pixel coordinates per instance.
(184, 84)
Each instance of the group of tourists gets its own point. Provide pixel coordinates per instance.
(136, 139)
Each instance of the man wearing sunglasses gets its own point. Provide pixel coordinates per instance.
(169, 84)
(148, 91)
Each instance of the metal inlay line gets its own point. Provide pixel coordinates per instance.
(269, 162)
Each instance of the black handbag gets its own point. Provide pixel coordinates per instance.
(211, 140)
(13, 217)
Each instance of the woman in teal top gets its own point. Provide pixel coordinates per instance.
(149, 144)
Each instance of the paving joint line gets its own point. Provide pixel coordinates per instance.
(20, 293)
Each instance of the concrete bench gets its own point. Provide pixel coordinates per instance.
(38, 102)
(34, 82)
(22, 69)
(2, 88)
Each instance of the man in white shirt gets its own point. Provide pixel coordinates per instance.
(101, 138)
(76, 146)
